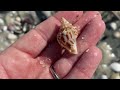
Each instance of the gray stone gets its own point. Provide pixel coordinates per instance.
(113, 25)
(104, 77)
(12, 36)
(117, 34)
(115, 66)
(47, 13)
(115, 76)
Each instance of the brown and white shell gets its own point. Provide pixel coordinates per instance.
(67, 36)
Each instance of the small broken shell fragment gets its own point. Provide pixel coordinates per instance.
(67, 36)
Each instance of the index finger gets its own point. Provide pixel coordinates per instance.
(36, 40)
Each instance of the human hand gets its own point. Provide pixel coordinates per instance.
(32, 55)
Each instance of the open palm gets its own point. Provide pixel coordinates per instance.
(32, 55)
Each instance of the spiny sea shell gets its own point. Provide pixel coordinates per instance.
(67, 36)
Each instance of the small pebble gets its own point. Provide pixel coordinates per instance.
(112, 55)
(115, 76)
(18, 19)
(113, 25)
(104, 65)
(25, 27)
(14, 12)
(4, 28)
(1, 21)
(115, 66)
(17, 27)
(101, 70)
(12, 36)
(17, 23)
(12, 41)
(1, 49)
(108, 56)
(18, 32)
(104, 77)
(33, 27)
(117, 34)
(47, 13)
(6, 43)
(108, 47)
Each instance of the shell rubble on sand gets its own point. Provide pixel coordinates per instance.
(67, 36)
